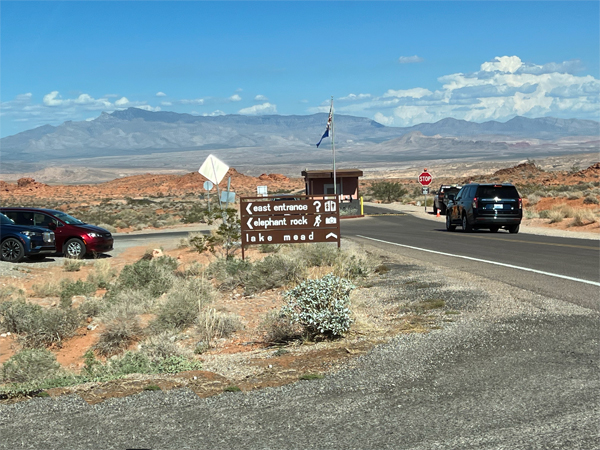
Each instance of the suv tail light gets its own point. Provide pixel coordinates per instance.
(520, 203)
(474, 202)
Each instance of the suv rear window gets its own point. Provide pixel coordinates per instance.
(497, 191)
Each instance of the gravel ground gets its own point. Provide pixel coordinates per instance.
(514, 370)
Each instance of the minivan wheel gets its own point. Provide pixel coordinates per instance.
(12, 250)
(513, 229)
(466, 226)
(74, 248)
(449, 225)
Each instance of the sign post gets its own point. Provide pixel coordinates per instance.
(425, 179)
(208, 186)
(301, 219)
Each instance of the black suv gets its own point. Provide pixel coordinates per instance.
(491, 206)
(440, 201)
(19, 241)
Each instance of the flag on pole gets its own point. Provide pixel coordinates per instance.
(326, 134)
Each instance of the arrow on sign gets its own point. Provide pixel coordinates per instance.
(248, 209)
(331, 235)
(250, 223)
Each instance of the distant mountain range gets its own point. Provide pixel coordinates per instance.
(136, 132)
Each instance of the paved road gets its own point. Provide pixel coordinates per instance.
(518, 369)
(565, 257)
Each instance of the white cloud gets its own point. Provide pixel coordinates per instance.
(51, 99)
(149, 108)
(383, 119)
(501, 89)
(193, 101)
(166, 103)
(214, 113)
(261, 98)
(410, 59)
(122, 102)
(161, 94)
(235, 98)
(257, 110)
(353, 97)
(502, 64)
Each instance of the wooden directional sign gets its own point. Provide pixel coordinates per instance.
(265, 206)
(293, 220)
(290, 236)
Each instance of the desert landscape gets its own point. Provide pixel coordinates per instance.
(240, 350)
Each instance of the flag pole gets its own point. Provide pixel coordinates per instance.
(333, 151)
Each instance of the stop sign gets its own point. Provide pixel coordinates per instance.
(425, 179)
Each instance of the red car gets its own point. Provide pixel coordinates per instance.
(74, 238)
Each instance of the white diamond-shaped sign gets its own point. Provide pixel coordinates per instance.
(213, 169)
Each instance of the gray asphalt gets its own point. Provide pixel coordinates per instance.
(570, 257)
(518, 369)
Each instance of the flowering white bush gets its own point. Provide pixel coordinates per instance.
(321, 305)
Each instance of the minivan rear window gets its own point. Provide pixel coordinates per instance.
(497, 191)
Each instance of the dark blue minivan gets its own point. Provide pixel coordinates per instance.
(20, 241)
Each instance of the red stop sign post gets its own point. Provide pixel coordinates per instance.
(425, 179)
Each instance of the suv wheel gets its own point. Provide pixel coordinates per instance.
(449, 225)
(12, 250)
(74, 248)
(494, 229)
(513, 229)
(466, 226)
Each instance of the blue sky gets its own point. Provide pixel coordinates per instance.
(400, 63)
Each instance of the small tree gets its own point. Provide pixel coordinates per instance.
(225, 236)
(387, 191)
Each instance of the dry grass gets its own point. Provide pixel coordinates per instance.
(583, 217)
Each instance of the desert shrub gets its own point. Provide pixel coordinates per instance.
(10, 293)
(136, 362)
(279, 328)
(228, 273)
(591, 200)
(37, 326)
(272, 272)
(387, 191)
(48, 289)
(72, 265)
(119, 333)
(91, 308)
(71, 288)
(575, 195)
(213, 324)
(30, 365)
(136, 301)
(315, 255)
(531, 214)
(533, 199)
(269, 248)
(153, 276)
(161, 346)
(102, 274)
(196, 214)
(181, 307)
(583, 217)
(320, 306)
